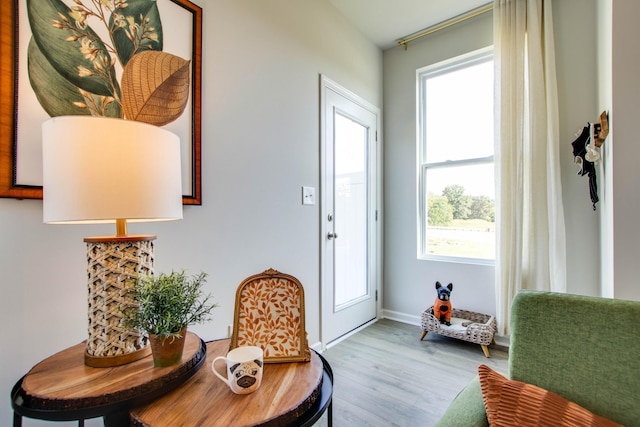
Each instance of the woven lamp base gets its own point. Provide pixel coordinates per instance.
(112, 265)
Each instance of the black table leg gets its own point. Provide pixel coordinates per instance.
(117, 419)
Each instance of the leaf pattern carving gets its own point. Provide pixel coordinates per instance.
(269, 316)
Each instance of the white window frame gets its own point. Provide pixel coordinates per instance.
(422, 74)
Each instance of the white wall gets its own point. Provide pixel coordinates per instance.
(604, 54)
(618, 70)
(624, 148)
(409, 283)
(575, 30)
(260, 144)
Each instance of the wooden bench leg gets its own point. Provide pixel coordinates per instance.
(424, 334)
(485, 349)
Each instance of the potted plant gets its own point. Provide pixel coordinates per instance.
(164, 306)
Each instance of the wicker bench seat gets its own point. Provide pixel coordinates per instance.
(466, 325)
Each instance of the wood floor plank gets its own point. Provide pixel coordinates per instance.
(385, 376)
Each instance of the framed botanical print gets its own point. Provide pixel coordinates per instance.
(67, 57)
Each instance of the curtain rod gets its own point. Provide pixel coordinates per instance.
(444, 24)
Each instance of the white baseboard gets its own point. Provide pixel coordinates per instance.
(410, 319)
(347, 335)
(502, 340)
(320, 346)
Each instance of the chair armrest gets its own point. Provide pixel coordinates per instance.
(467, 409)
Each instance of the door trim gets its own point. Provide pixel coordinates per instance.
(376, 281)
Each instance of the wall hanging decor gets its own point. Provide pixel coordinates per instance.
(77, 57)
(270, 314)
(586, 152)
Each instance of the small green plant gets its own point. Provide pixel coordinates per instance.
(168, 303)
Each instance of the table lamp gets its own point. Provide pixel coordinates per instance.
(101, 170)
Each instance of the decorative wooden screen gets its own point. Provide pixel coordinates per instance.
(269, 313)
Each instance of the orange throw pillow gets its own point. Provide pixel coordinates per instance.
(514, 403)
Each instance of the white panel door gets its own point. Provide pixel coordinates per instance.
(349, 211)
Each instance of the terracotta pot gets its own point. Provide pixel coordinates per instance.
(167, 350)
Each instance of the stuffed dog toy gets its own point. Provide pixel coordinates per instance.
(442, 306)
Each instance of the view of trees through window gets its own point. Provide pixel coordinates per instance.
(453, 204)
(460, 224)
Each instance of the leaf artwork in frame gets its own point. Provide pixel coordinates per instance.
(111, 58)
(269, 313)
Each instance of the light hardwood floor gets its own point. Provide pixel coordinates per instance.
(385, 376)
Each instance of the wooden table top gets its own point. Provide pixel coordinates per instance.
(63, 382)
(287, 391)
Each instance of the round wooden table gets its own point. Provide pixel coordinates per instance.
(63, 388)
(290, 394)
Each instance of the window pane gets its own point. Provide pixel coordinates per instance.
(460, 211)
(459, 114)
(350, 211)
(456, 148)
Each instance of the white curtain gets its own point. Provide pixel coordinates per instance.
(531, 247)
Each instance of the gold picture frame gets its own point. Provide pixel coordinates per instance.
(12, 26)
(270, 313)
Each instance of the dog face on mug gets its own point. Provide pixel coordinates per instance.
(245, 374)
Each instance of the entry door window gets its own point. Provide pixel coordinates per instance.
(351, 211)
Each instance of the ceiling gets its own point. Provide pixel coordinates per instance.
(385, 21)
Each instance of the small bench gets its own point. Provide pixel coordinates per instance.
(466, 325)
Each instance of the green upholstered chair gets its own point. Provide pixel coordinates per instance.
(586, 349)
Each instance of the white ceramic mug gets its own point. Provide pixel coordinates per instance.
(244, 369)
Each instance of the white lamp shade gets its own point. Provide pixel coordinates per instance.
(98, 169)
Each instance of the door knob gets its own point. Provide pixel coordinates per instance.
(332, 235)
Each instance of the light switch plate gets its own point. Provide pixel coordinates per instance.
(308, 195)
